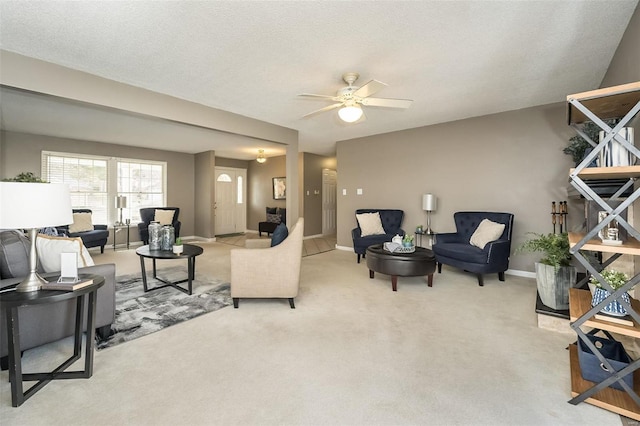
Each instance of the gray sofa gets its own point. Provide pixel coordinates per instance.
(43, 324)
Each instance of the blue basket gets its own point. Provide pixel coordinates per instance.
(593, 370)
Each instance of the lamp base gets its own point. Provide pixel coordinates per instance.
(32, 282)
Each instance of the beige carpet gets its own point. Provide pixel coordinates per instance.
(352, 353)
(310, 246)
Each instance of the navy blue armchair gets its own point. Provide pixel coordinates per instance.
(96, 238)
(454, 249)
(391, 222)
(147, 214)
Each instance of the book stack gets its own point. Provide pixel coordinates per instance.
(68, 283)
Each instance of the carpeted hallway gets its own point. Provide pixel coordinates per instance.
(310, 246)
(352, 353)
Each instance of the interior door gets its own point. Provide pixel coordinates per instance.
(230, 205)
(329, 195)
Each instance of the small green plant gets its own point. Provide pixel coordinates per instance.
(178, 241)
(25, 177)
(616, 279)
(407, 238)
(555, 248)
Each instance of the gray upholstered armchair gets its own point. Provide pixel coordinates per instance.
(456, 249)
(268, 272)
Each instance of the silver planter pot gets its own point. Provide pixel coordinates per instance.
(554, 284)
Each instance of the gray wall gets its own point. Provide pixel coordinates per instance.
(260, 189)
(511, 162)
(625, 65)
(312, 165)
(204, 187)
(22, 152)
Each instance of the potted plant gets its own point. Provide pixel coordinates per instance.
(615, 279)
(178, 248)
(25, 177)
(554, 273)
(407, 241)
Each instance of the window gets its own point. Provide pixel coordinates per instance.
(95, 182)
(142, 183)
(240, 187)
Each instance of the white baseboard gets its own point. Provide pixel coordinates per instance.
(313, 236)
(518, 273)
(514, 272)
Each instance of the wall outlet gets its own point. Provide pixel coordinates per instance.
(344, 191)
(359, 191)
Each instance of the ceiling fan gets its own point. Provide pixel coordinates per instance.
(351, 98)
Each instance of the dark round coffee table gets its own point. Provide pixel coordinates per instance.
(419, 263)
(190, 252)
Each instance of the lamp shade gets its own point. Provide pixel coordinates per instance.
(121, 202)
(429, 202)
(350, 113)
(34, 205)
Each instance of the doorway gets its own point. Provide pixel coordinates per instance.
(230, 206)
(329, 195)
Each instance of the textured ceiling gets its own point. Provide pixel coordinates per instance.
(454, 59)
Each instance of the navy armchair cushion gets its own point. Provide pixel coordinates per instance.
(455, 249)
(391, 222)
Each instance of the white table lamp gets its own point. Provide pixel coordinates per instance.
(121, 203)
(33, 206)
(429, 205)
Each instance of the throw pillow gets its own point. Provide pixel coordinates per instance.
(14, 254)
(273, 218)
(279, 235)
(81, 223)
(49, 249)
(370, 224)
(165, 217)
(486, 232)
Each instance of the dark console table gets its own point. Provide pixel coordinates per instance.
(11, 301)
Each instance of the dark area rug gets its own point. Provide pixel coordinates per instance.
(139, 313)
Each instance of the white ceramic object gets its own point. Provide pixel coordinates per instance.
(178, 249)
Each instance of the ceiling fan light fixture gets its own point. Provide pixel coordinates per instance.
(261, 159)
(350, 113)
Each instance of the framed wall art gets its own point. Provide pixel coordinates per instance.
(279, 188)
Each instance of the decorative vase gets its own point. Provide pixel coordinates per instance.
(407, 244)
(614, 308)
(554, 284)
(154, 235)
(614, 154)
(178, 249)
(167, 237)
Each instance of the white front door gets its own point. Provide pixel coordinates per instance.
(329, 194)
(230, 201)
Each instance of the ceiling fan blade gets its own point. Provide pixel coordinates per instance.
(389, 103)
(369, 89)
(315, 97)
(327, 108)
